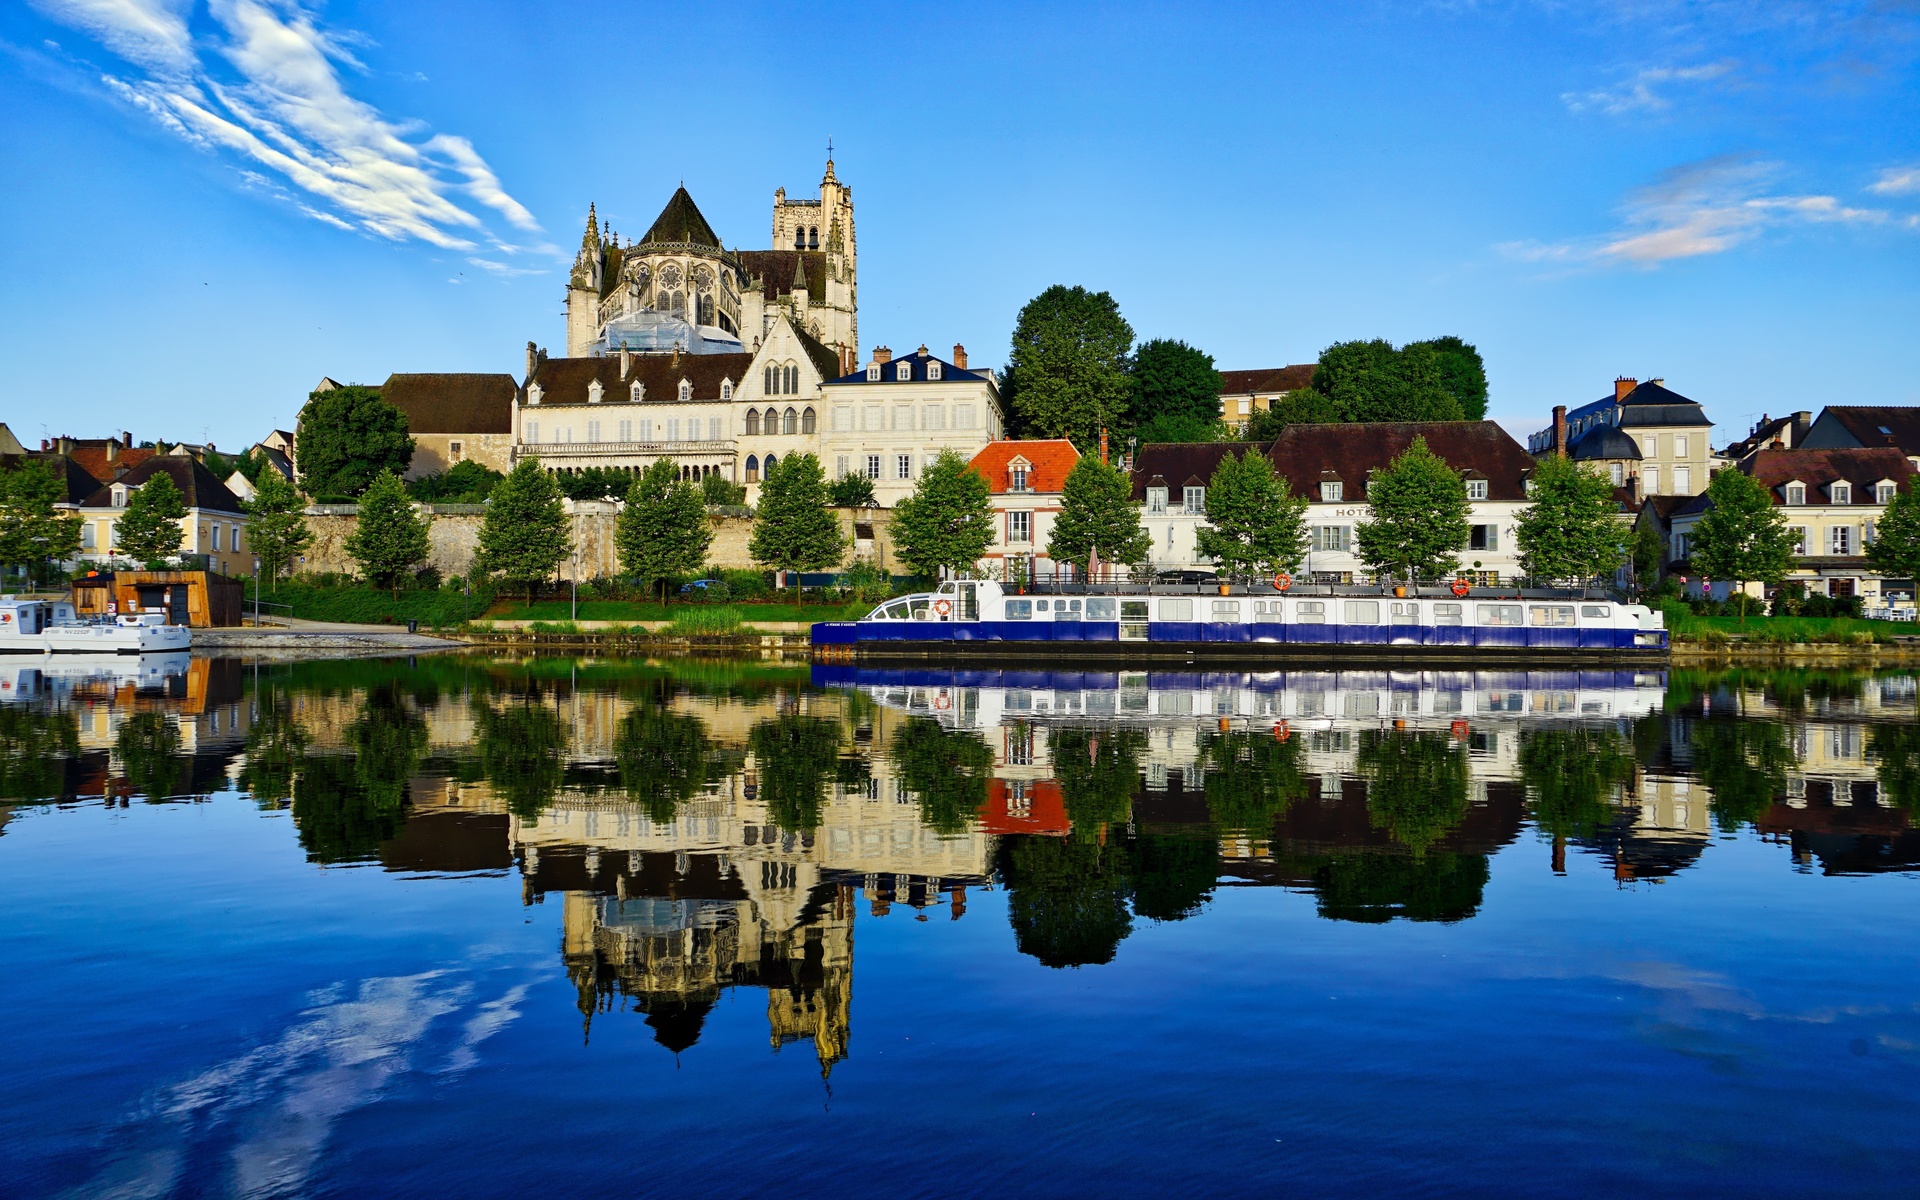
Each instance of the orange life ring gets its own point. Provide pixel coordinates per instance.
(1281, 732)
(1282, 581)
(1460, 587)
(943, 607)
(942, 702)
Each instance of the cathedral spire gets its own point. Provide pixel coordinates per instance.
(591, 239)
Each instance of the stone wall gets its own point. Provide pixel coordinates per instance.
(454, 537)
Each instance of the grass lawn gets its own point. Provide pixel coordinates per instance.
(643, 610)
(1686, 627)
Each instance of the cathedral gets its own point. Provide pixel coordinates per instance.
(679, 288)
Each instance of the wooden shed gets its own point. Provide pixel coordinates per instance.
(200, 599)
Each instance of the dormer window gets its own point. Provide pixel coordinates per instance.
(534, 392)
(903, 371)
(726, 389)
(1156, 499)
(1796, 494)
(1840, 493)
(933, 370)
(1017, 476)
(119, 497)
(873, 373)
(638, 391)
(1332, 490)
(594, 392)
(1476, 489)
(1196, 499)
(1883, 491)
(686, 390)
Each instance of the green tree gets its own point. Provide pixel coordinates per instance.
(1462, 373)
(276, 745)
(1068, 373)
(1098, 770)
(1374, 888)
(1895, 752)
(794, 529)
(946, 770)
(523, 746)
(338, 820)
(852, 490)
(32, 530)
(1251, 779)
(150, 531)
(1175, 395)
(1372, 381)
(1255, 524)
(346, 438)
(465, 482)
(666, 759)
(526, 535)
(1097, 513)
(276, 526)
(947, 523)
(1173, 874)
(1417, 517)
(720, 492)
(1416, 785)
(1303, 406)
(1572, 529)
(389, 539)
(1742, 538)
(389, 739)
(1066, 898)
(1895, 550)
(1648, 550)
(662, 532)
(795, 757)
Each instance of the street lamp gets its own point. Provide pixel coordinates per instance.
(256, 593)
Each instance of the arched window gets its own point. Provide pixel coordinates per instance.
(753, 424)
(705, 309)
(813, 238)
(792, 423)
(638, 391)
(800, 239)
(807, 421)
(753, 469)
(793, 381)
(771, 463)
(726, 389)
(686, 390)
(768, 389)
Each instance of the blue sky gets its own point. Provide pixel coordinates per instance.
(211, 205)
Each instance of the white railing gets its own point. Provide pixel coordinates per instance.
(723, 448)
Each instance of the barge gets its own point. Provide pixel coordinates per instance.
(53, 627)
(979, 621)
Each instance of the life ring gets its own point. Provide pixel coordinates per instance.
(942, 702)
(1282, 581)
(1281, 732)
(943, 607)
(1461, 587)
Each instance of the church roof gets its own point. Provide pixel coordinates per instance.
(680, 221)
(566, 380)
(819, 353)
(776, 270)
(453, 402)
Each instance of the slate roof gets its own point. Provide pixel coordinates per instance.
(1762, 435)
(917, 365)
(1264, 380)
(680, 221)
(1862, 425)
(1303, 453)
(1048, 461)
(565, 380)
(453, 402)
(1604, 443)
(819, 353)
(777, 270)
(79, 484)
(1862, 467)
(1648, 403)
(198, 487)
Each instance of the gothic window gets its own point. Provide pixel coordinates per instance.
(793, 381)
(791, 423)
(813, 238)
(670, 275)
(753, 468)
(768, 388)
(771, 463)
(686, 391)
(704, 308)
(807, 421)
(753, 423)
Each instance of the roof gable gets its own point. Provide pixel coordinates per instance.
(1049, 461)
(1819, 470)
(680, 221)
(916, 364)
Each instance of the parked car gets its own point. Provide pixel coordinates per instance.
(705, 591)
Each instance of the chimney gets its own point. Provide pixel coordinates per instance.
(533, 359)
(1657, 382)
(882, 356)
(45, 445)
(1623, 385)
(1560, 430)
(922, 350)
(959, 356)
(626, 361)
(1103, 447)
(113, 450)
(1801, 422)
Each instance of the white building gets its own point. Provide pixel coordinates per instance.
(889, 419)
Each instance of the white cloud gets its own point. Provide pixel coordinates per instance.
(271, 91)
(1695, 210)
(1897, 181)
(504, 270)
(1643, 90)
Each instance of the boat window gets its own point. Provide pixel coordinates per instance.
(1267, 610)
(1019, 610)
(1498, 614)
(1176, 610)
(1552, 616)
(1103, 610)
(969, 603)
(921, 608)
(1226, 610)
(1363, 612)
(1595, 610)
(1311, 611)
(1448, 614)
(1040, 605)
(1133, 620)
(1405, 612)
(1071, 607)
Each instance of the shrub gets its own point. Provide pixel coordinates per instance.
(745, 585)
(864, 580)
(708, 621)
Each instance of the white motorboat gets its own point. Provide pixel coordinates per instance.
(53, 627)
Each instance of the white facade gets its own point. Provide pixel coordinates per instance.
(890, 419)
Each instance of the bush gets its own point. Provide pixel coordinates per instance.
(864, 580)
(465, 482)
(357, 604)
(706, 621)
(745, 585)
(717, 492)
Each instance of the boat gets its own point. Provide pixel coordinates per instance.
(53, 627)
(979, 620)
(60, 678)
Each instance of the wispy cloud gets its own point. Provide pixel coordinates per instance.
(1702, 208)
(1897, 181)
(267, 87)
(1645, 90)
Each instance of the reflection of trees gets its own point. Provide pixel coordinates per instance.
(1416, 784)
(275, 745)
(339, 817)
(1895, 750)
(1251, 778)
(795, 756)
(665, 759)
(388, 739)
(1097, 770)
(1744, 764)
(522, 747)
(1570, 776)
(148, 747)
(34, 749)
(946, 770)
(1173, 875)
(1375, 888)
(1067, 898)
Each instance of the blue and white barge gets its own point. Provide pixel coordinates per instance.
(978, 620)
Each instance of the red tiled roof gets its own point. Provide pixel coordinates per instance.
(1264, 380)
(1048, 462)
(93, 460)
(198, 487)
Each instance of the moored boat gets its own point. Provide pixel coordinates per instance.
(53, 627)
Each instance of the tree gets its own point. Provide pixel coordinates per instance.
(37, 747)
(1744, 764)
(1097, 514)
(793, 529)
(526, 536)
(1372, 381)
(1098, 770)
(663, 530)
(852, 490)
(1255, 524)
(1175, 395)
(1895, 550)
(347, 437)
(720, 492)
(947, 523)
(276, 744)
(153, 763)
(1742, 538)
(1303, 406)
(32, 530)
(1417, 517)
(1462, 373)
(1570, 776)
(1067, 376)
(389, 539)
(276, 527)
(1647, 551)
(150, 531)
(465, 482)
(523, 747)
(1572, 530)
(1251, 779)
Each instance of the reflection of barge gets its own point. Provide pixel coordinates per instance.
(977, 621)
